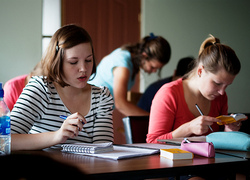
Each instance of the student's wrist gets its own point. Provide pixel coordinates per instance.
(55, 138)
(189, 128)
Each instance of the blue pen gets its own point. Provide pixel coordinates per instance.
(65, 117)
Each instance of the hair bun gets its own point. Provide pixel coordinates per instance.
(211, 40)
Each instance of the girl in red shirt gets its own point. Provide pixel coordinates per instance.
(173, 113)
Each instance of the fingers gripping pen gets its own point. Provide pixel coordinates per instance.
(196, 105)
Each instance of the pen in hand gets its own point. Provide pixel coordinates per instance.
(196, 105)
(65, 117)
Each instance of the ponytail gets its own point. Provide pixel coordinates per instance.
(213, 55)
(208, 42)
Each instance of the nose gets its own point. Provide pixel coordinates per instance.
(222, 91)
(82, 67)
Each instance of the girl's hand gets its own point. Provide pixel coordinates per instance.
(70, 127)
(199, 125)
(234, 126)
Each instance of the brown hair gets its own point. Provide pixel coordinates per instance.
(214, 56)
(156, 47)
(64, 38)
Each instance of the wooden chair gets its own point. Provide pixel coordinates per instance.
(136, 128)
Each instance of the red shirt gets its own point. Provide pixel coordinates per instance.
(169, 110)
(12, 90)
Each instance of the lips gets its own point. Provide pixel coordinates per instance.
(82, 78)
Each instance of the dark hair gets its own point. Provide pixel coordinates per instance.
(64, 38)
(184, 66)
(214, 56)
(156, 47)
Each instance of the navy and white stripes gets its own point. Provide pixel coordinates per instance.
(39, 107)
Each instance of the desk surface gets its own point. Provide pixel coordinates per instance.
(240, 154)
(148, 166)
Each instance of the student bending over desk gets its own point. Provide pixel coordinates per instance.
(173, 112)
(117, 70)
(67, 64)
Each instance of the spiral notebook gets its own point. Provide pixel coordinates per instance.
(116, 153)
(86, 148)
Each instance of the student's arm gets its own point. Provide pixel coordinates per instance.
(121, 78)
(30, 106)
(69, 129)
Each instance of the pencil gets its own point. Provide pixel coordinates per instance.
(196, 105)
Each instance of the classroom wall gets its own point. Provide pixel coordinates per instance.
(185, 24)
(20, 37)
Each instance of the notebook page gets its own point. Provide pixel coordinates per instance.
(124, 152)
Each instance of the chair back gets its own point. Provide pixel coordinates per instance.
(136, 128)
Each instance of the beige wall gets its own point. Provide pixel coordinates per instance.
(20, 37)
(185, 24)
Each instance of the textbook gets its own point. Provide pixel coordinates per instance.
(87, 148)
(227, 119)
(176, 154)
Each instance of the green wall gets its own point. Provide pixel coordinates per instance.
(20, 37)
(185, 24)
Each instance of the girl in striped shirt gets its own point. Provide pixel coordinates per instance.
(68, 64)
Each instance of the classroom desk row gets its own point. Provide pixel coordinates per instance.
(154, 166)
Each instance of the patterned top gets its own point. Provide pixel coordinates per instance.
(39, 106)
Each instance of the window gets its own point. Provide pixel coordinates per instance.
(51, 20)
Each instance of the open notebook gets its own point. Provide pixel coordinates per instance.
(119, 152)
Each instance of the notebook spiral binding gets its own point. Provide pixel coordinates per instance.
(77, 149)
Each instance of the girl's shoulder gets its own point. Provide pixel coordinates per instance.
(121, 52)
(100, 91)
(101, 96)
(40, 84)
(170, 93)
(123, 56)
(173, 87)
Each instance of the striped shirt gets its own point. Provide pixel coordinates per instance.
(39, 106)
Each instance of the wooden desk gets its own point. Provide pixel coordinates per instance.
(150, 166)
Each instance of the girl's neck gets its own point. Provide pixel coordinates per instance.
(193, 88)
(76, 100)
(71, 92)
(193, 96)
